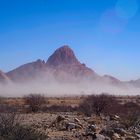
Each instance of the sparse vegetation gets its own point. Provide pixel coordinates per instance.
(130, 114)
(97, 104)
(130, 119)
(116, 114)
(11, 129)
(34, 101)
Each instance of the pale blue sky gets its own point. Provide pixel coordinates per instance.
(104, 34)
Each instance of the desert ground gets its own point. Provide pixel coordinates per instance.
(75, 118)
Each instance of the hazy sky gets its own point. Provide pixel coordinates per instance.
(105, 34)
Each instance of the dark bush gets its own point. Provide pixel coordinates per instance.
(98, 104)
(34, 101)
(86, 108)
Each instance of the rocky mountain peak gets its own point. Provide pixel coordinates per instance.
(39, 63)
(63, 55)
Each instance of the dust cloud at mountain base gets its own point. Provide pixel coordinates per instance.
(64, 89)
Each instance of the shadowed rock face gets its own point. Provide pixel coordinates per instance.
(63, 55)
(4, 78)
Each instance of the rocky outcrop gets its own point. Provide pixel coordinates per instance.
(63, 55)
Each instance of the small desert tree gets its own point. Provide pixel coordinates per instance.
(97, 104)
(34, 101)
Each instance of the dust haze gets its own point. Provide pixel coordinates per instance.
(54, 88)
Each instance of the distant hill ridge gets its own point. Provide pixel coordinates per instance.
(62, 65)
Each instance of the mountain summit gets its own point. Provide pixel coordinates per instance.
(62, 65)
(63, 55)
